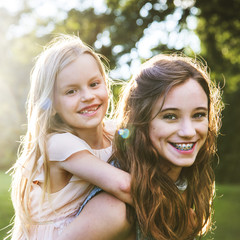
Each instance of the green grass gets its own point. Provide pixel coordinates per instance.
(6, 209)
(227, 210)
(227, 213)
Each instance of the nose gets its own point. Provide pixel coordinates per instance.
(86, 95)
(187, 129)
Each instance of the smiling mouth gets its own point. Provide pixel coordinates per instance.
(183, 146)
(90, 110)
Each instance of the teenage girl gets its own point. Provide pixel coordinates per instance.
(170, 118)
(67, 143)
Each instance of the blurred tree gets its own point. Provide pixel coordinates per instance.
(219, 31)
(125, 24)
(120, 30)
(10, 114)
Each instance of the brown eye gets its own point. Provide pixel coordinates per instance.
(170, 116)
(200, 115)
(71, 91)
(94, 84)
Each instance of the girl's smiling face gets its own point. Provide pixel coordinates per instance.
(80, 94)
(179, 126)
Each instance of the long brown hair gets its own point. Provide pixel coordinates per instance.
(159, 206)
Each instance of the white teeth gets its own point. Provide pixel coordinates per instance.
(89, 111)
(183, 146)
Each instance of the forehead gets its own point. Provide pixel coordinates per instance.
(85, 66)
(82, 62)
(187, 96)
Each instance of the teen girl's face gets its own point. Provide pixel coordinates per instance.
(80, 94)
(179, 129)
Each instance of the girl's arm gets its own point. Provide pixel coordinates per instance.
(90, 168)
(103, 218)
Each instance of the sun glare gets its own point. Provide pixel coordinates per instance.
(11, 5)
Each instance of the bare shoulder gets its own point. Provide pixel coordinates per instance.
(110, 126)
(103, 218)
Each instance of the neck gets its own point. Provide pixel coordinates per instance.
(94, 137)
(173, 172)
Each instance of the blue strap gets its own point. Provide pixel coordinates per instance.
(89, 197)
(94, 192)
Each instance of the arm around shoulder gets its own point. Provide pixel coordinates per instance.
(103, 218)
(93, 170)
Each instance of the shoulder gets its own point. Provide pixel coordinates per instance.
(103, 218)
(110, 126)
(111, 215)
(62, 145)
(62, 137)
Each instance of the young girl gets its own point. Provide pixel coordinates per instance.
(65, 140)
(169, 120)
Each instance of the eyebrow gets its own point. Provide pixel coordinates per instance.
(177, 109)
(94, 77)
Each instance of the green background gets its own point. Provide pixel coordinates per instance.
(227, 209)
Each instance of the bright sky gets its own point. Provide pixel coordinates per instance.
(158, 32)
(10, 5)
(49, 7)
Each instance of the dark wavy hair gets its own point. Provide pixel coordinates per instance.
(159, 206)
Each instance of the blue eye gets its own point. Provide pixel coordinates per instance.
(170, 116)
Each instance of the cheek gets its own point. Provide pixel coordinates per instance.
(203, 133)
(105, 94)
(204, 130)
(158, 129)
(66, 104)
(154, 135)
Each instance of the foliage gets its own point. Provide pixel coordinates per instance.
(120, 31)
(219, 31)
(11, 104)
(229, 141)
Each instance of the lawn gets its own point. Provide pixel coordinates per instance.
(227, 210)
(227, 213)
(6, 210)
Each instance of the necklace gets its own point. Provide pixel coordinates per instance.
(181, 184)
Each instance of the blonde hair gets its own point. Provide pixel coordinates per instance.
(42, 120)
(159, 206)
